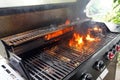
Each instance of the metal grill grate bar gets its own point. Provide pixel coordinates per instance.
(57, 69)
(33, 68)
(44, 70)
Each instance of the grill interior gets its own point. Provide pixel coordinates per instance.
(58, 61)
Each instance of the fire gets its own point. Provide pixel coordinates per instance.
(52, 35)
(97, 29)
(79, 42)
(67, 22)
(89, 38)
(76, 41)
(59, 32)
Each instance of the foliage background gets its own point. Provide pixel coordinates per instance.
(114, 16)
(109, 12)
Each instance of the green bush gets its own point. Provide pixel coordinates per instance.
(114, 16)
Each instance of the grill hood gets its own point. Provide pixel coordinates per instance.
(18, 19)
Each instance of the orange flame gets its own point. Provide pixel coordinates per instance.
(67, 22)
(97, 29)
(79, 42)
(76, 41)
(58, 33)
(89, 38)
(52, 35)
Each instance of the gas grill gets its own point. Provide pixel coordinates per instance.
(58, 42)
(45, 53)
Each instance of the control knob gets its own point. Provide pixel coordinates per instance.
(117, 47)
(86, 76)
(99, 65)
(110, 55)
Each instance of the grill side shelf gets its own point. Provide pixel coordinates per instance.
(18, 64)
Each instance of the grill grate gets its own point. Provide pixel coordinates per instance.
(60, 60)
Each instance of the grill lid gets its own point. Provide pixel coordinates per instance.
(113, 27)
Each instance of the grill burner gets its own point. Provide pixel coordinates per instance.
(46, 55)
